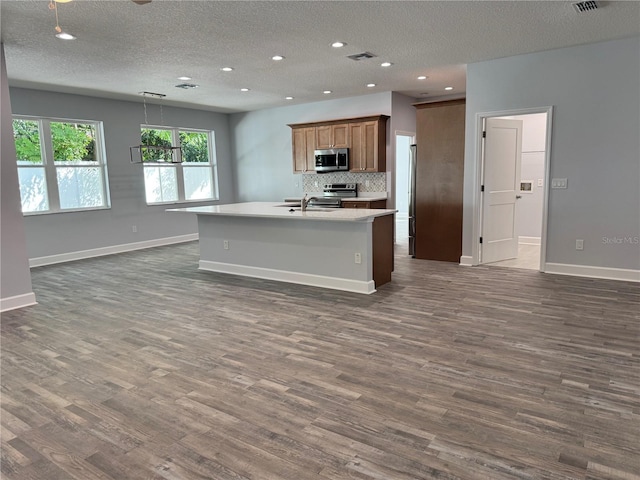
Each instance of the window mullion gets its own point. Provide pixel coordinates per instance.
(46, 144)
(175, 141)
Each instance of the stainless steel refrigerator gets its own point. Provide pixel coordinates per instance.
(412, 199)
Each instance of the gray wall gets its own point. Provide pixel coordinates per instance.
(58, 233)
(15, 278)
(595, 143)
(261, 143)
(403, 119)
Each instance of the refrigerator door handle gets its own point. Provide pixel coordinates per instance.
(412, 199)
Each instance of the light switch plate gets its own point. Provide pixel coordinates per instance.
(559, 183)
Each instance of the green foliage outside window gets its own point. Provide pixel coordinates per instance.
(72, 142)
(194, 147)
(27, 139)
(156, 138)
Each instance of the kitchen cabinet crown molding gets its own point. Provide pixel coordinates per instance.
(444, 103)
(369, 118)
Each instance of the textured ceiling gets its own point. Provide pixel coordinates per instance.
(123, 48)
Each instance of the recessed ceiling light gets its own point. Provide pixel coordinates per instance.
(244, 89)
(371, 85)
(227, 69)
(386, 64)
(277, 57)
(65, 36)
(422, 77)
(448, 88)
(338, 44)
(327, 92)
(184, 78)
(288, 98)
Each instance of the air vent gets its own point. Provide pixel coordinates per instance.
(187, 86)
(361, 56)
(588, 6)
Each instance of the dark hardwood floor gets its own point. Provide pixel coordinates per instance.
(139, 366)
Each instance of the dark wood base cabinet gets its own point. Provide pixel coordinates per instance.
(363, 204)
(439, 180)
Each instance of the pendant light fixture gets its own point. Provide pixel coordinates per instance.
(61, 34)
(147, 153)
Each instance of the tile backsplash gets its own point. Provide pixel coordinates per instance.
(367, 182)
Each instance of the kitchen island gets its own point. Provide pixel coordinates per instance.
(339, 248)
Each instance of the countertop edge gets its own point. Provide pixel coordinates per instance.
(262, 210)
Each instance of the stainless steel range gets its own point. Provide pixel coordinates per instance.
(333, 193)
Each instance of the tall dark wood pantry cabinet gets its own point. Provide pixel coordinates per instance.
(439, 180)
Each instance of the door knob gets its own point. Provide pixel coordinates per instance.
(518, 196)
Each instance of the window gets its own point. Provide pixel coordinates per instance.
(61, 165)
(193, 179)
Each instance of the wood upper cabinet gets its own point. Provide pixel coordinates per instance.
(332, 136)
(365, 137)
(304, 144)
(368, 149)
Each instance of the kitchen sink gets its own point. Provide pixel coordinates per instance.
(316, 209)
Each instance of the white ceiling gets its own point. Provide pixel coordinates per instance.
(123, 48)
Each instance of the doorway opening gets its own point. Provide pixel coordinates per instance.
(513, 186)
(404, 140)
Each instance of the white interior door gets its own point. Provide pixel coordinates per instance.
(502, 159)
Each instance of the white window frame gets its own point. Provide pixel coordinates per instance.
(179, 167)
(50, 167)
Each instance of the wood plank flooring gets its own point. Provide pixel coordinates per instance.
(139, 366)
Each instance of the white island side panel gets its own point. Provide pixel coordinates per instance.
(310, 252)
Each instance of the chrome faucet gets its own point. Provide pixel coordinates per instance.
(304, 203)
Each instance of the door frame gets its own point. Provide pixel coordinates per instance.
(393, 178)
(479, 161)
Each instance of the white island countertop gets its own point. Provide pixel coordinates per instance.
(283, 210)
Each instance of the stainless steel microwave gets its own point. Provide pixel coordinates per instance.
(332, 160)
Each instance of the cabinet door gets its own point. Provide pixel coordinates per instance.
(355, 150)
(340, 134)
(369, 160)
(303, 148)
(378, 204)
(324, 139)
(356, 204)
(368, 147)
(332, 136)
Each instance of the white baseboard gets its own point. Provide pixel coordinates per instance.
(98, 252)
(593, 272)
(334, 283)
(528, 240)
(466, 261)
(17, 301)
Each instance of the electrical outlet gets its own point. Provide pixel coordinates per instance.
(315, 184)
(367, 183)
(579, 244)
(225, 244)
(540, 182)
(358, 258)
(134, 228)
